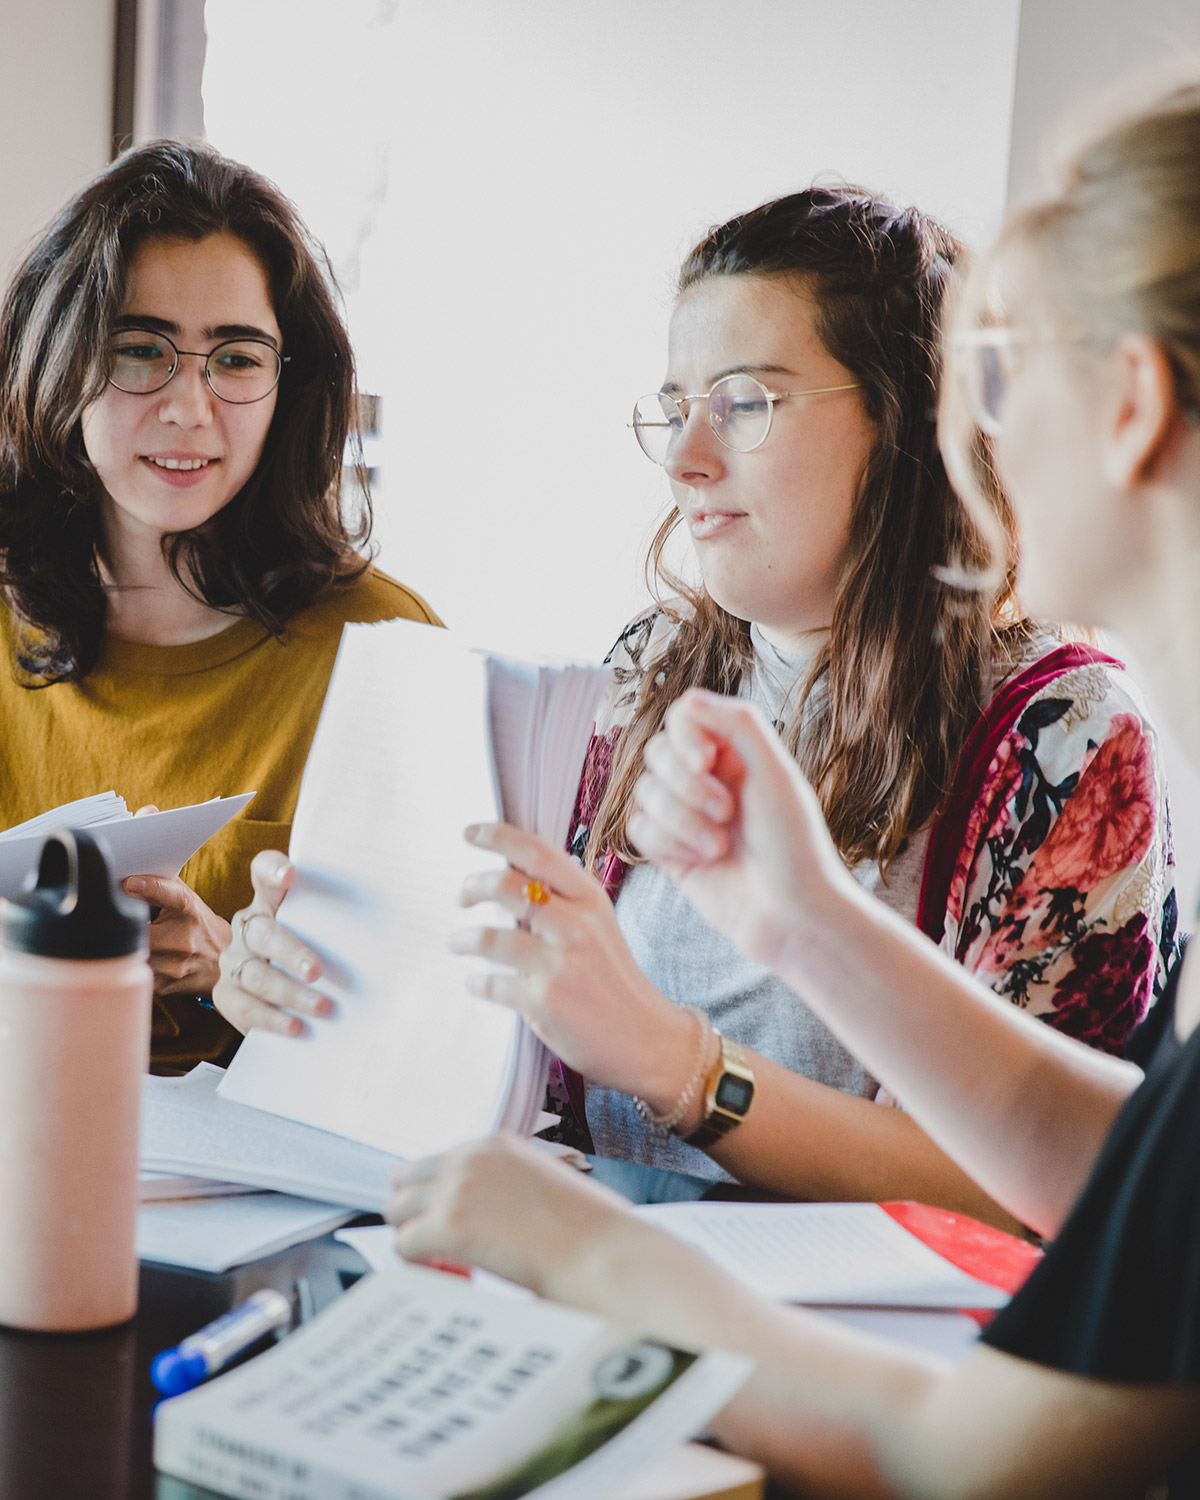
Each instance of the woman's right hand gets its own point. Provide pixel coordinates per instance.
(267, 973)
(725, 811)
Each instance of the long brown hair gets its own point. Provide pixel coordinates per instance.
(283, 540)
(909, 660)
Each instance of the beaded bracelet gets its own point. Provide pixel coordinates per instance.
(665, 1124)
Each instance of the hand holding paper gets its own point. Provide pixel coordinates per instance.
(575, 980)
(158, 843)
(408, 1062)
(267, 972)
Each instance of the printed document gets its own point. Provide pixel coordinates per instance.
(414, 1384)
(411, 741)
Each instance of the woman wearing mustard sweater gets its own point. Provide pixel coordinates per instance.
(176, 563)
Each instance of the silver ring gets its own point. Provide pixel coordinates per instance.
(235, 974)
(242, 921)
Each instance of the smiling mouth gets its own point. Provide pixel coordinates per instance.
(187, 465)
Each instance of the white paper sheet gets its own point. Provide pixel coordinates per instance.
(158, 843)
(212, 1234)
(950, 1335)
(411, 1063)
(188, 1128)
(848, 1253)
(156, 1187)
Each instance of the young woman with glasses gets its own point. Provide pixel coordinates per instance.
(1079, 347)
(176, 564)
(796, 425)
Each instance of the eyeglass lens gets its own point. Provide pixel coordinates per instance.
(239, 371)
(992, 376)
(739, 413)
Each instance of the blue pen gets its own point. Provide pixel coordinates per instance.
(204, 1353)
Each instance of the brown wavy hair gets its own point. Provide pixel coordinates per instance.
(910, 658)
(285, 539)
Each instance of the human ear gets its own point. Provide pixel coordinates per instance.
(1143, 410)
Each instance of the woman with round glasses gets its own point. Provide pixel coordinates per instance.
(796, 429)
(1088, 1385)
(177, 555)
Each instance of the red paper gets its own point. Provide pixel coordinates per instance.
(988, 1254)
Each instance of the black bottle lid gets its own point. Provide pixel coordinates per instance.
(71, 907)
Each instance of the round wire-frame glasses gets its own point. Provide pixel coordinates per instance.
(740, 410)
(238, 371)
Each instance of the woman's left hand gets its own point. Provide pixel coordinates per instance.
(575, 980)
(186, 938)
(505, 1206)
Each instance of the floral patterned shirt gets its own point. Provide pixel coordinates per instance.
(1062, 894)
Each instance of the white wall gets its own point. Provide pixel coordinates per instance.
(56, 84)
(1073, 54)
(506, 190)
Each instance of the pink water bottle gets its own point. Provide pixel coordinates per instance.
(75, 993)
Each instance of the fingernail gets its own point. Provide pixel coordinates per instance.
(309, 967)
(697, 759)
(135, 885)
(324, 1006)
(294, 1027)
(281, 869)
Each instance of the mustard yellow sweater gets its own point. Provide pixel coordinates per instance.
(174, 725)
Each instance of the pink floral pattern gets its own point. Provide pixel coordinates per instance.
(1063, 896)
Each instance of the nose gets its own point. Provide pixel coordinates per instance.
(695, 456)
(187, 399)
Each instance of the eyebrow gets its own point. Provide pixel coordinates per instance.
(217, 331)
(670, 386)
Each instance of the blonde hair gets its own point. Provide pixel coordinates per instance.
(1118, 243)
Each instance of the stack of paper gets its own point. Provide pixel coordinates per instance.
(155, 844)
(212, 1234)
(160, 1187)
(85, 812)
(188, 1128)
(414, 728)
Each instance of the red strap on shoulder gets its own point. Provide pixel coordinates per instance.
(949, 830)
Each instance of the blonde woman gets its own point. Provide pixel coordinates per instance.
(1083, 357)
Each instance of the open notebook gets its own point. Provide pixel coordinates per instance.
(419, 736)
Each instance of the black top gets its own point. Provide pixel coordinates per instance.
(1117, 1296)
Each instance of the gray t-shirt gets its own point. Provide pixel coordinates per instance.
(692, 964)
